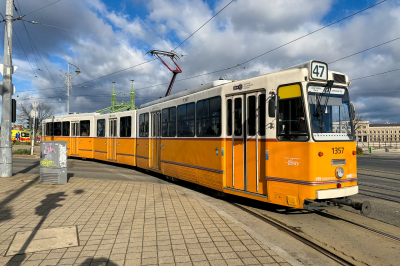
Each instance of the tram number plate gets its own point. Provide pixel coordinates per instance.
(338, 150)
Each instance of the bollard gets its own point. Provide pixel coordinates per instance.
(53, 162)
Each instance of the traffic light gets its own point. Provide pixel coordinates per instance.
(30, 122)
(14, 111)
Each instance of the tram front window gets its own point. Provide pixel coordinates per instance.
(330, 114)
(292, 124)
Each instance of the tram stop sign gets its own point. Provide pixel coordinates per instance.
(53, 162)
(34, 113)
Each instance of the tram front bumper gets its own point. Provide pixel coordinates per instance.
(336, 192)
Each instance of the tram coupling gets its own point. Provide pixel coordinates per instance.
(363, 207)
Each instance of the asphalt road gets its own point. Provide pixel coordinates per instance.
(378, 179)
(379, 183)
(90, 169)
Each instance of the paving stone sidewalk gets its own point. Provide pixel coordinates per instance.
(123, 223)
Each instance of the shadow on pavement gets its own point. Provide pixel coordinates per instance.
(98, 262)
(5, 211)
(48, 204)
(26, 170)
(69, 175)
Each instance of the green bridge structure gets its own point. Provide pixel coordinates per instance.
(120, 106)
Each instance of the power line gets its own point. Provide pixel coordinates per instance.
(397, 69)
(32, 42)
(204, 24)
(365, 50)
(374, 91)
(212, 72)
(333, 23)
(115, 72)
(24, 52)
(40, 8)
(261, 54)
(61, 28)
(23, 23)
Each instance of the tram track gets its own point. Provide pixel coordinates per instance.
(332, 254)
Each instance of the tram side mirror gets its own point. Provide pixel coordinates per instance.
(353, 111)
(271, 106)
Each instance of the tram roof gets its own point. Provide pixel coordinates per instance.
(188, 92)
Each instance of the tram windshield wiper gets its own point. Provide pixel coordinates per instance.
(319, 110)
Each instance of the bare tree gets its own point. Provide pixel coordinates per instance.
(24, 112)
(357, 122)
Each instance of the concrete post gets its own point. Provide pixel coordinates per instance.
(68, 86)
(7, 91)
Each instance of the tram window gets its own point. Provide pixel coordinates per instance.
(229, 117)
(291, 119)
(49, 129)
(251, 119)
(65, 128)
(209, 117)
(57, 128)
(85, 128)
(261, 112)
(125, 126)
(101, 128)
(144, 125)
(44, 129)
(238, 117)
(169, 122)
(186, 118)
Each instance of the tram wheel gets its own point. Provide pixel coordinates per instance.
(365, 208)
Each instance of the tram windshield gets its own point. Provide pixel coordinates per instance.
(330, 114)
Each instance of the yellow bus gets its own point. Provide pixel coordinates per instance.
(20, 135)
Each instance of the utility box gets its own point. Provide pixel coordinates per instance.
(371, 149)
(53, 162)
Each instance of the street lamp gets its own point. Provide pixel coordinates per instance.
(69, 82)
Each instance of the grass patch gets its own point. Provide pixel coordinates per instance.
(22, 151)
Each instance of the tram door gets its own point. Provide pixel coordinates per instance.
(74, 138)
(112, 141)
(248, 126)
(156, 140)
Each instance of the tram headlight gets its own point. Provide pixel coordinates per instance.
(339, 172)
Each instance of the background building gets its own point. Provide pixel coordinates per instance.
(377, 134)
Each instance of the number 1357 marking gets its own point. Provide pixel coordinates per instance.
(338, 150)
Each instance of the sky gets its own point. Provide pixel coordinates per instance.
(104, 36)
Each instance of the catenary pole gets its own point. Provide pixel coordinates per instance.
(68, 85)
(34, 115)
(7, 91)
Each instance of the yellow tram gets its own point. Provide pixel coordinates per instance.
(285, 138)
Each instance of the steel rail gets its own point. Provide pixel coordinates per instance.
(280, 226)
(395, 238)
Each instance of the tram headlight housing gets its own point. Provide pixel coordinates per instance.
(339, 172)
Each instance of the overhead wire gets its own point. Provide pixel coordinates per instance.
(41, 8)
(373, 75)
(238, 65)
(364, 50)
(204, 24)
(33, 51)
(228, 68)
(308, 34)
(32, 42)
(24, 52)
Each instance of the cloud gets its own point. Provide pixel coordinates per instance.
(104, 39)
